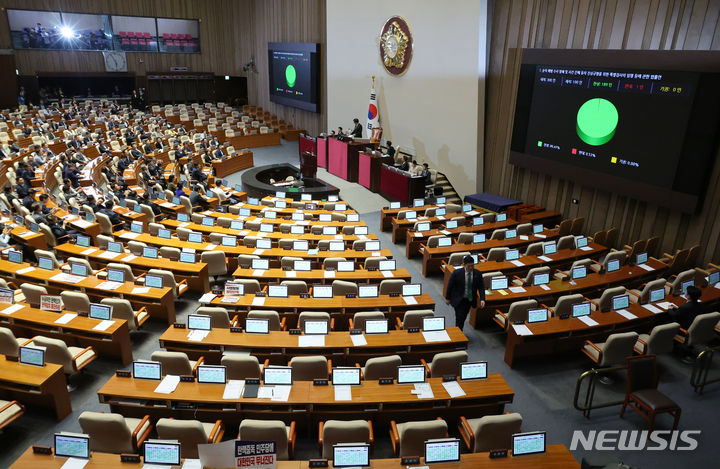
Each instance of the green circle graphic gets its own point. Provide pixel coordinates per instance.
(597, 120)
(290, 75)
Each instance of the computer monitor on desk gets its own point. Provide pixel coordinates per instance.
(277, 375)
(30, 355)
(316, 327)
(257, 326)
(442, 450)
(161, 452)
(473, 370)
(147, 370)
(528, 443)
(346, 376)
(410, 374)
(581, 309)
(351, 455)
(72, 445)
(212, 374)
(376, 326)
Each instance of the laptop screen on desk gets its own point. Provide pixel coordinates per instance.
(147, 370)
(657, 295)
(549, 248)
(528, 443)
(343, 376)
(195, 238)
(386, 265)
(32, 356)
(116, 275)
(367, 291)
(346, 266)
(433, 323)
(257, 326)
(498, 283)
(260, 264)
(579, 272)
(322, 291)
(277, 291)
(613, 265)
(409, 374)
(83, 241)
(277, 375)
(351, 455)
(473, 370)
(72, 445)
(412, 289)
(45, 263)
(512, 255)
(442, 450)
(376, 326)
(372, 245)
(100, 311)
(199, 321)
(541, 279)
(211, 374)
(581, 309)
(537, 315)
(316, 327)
(161, 452)
(620, 302)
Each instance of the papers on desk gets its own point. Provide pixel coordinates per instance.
(524, 237)
(423, 391)
(229, 299)
(207, 298)
(472, 213)
(521, 329)
(666, 305)
(436, 336)
(197, 335)
(258, 301)
(358, 340)
(265, 392)
(588, 248)
(25, 270)
(290, 274)
(375, 254)
(652, 308)
(517, 289)
(588, 320)
(258, 252)
(258, 273)
(168, 384)
(108, 255)
(545, 287)
(517, 263)
(65, 318)
(626, 314)
(544, 258)
(129, 258)
(338, 236)
(343, 393)
(540, 235)
(67, 278)
(440, 217)
(311, 341)
(281, 393)
(88, 251)
(74, 463)
(194, 463)
(25, 234)
(302, 222)
(234, 389)
(167, 205)
(453, 388)
(210, 247)
(410, 300)
(81, 223)
(387, 273)
(646, 267)
(104, 325)
(140, 290)
(362, 237)
(130, 235)
(108, 285)
(329, 273)
(313, 252)
(418, 234)
(11, 309)
(445, 232)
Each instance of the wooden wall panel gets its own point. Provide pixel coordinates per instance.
(604, 24)
(287, 21)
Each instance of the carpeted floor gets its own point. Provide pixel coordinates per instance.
(543, 388)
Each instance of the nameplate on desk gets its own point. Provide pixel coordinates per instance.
(394, 294)
(187, 379)
(355, 331)
(123, 373)
(519, 322)
(448, 378)
(413, 329)
(179, 325)
(350, 295)
(295, 331)
(320, 382)
(304, 295)
(260, 294)
(236, 329)
(252, 381)
(564, 316)
(41, 449)
(386, 380)
(131, 458)
(371, 269)
(410, 461)
(11, 358)
(498, 453)
(318, 463)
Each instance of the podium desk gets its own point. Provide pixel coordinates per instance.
(79, 332)
(232, 164)
(308, 165)
(322, 152)
(280, 346)
(400, 185)
(307, 404)
(43, 386)
(369, 165)
(343, 158)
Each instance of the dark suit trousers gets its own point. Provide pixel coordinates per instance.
(461, 312)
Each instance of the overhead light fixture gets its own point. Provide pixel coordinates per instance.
(67, 32)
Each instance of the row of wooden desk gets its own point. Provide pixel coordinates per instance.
(42, 386)
(320, 276)
(232, 164)
(307, 403)
(555, 457)
(280, 346)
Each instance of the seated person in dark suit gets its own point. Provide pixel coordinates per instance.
(685, 314)
(197, 200)
(155, 207)
(59, 230)
(108, 211)
(21, 188)
(406, 164)
(390, 149)
(197, 173)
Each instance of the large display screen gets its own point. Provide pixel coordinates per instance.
(635, 127)
(294, 74)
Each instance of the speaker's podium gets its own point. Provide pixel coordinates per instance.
(308, 165)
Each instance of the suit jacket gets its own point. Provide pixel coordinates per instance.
(685, 314)
(357, 131)
(456, 287)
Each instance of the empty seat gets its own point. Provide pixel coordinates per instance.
(489, 432)
(358, 320)
(408, 439)
(113, 433)
(32, 293)
(9, 412)
(445, 364)
(295, 287)
(190, 433)
(219, 317)
(175, 363)
(660, 339)
(310, 368)
(333, 432)
(122, 309)
(613, 351)
(75, 301)
(9, 344)
(518, 311)
(381, 367)
(389, 286)
(270, 430)
(72, 359)
(240, 366)
(273, 317)
(342, 288)
(414, 319)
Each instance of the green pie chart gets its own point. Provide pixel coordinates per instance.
(597, 120)
(290, 75)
